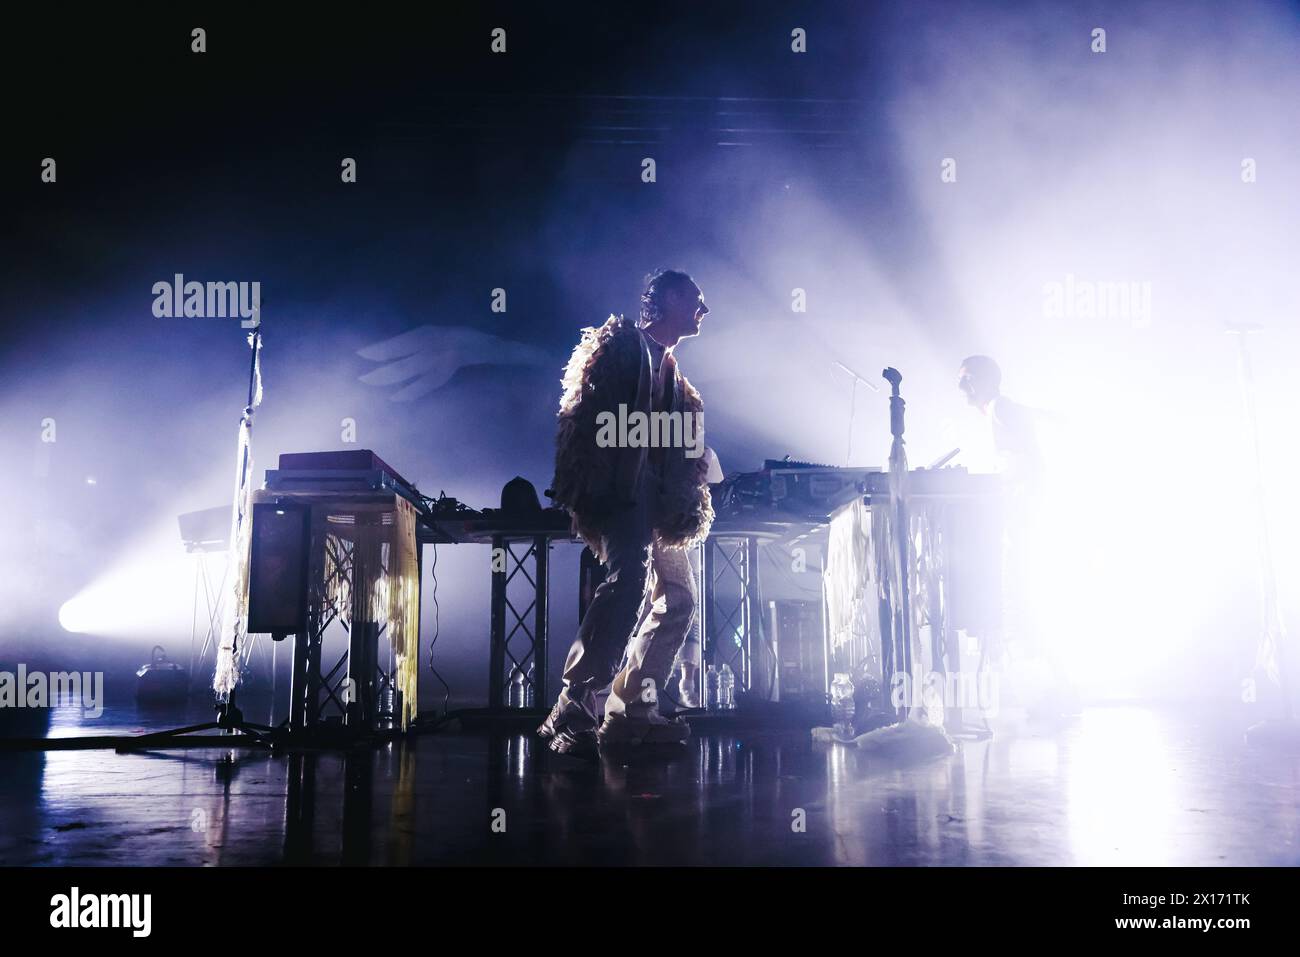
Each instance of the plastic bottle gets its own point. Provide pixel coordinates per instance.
(842, 705)
(727, 688)
(711, 689)
(518, 686)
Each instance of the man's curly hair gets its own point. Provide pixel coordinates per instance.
(657, 284)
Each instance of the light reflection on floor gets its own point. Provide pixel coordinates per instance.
(1117, 786)
(1124, 790)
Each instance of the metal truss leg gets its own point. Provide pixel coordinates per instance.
(508, 620)
(734, 561)
(497, 637)
(541, 619)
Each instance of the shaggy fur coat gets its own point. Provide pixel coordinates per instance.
(610, 366)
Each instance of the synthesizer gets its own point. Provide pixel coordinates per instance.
(810, 492)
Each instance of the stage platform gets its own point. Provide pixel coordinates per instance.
(1112, 786)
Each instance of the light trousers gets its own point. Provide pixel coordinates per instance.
(649, 596)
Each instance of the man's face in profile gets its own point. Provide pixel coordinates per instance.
(685, 310)
(973, 386)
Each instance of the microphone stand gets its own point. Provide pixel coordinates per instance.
(853, 402)
(902, 653)
(1283, 730)
(234, 730)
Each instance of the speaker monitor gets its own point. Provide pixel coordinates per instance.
(277, 579)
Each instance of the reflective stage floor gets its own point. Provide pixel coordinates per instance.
(1113, 786)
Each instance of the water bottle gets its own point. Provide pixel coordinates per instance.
(711, 689)
(518, 686)
(726, 688)
(842, 705)
(530, 687)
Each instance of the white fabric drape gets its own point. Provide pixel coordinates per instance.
(235, 623)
